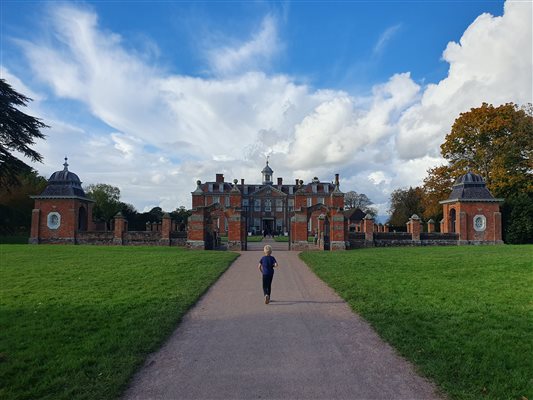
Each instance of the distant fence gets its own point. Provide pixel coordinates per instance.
(132, 238)
(395, 239)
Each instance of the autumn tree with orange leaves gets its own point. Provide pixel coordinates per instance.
(497, 143)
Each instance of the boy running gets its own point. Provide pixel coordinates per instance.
(266, 266)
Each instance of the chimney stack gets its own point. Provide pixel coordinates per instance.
(280, 181)
(220, 178)
(242, 181)
(337, 180)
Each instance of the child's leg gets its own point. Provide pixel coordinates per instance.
(268, 283)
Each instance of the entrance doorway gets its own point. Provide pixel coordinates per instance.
(268, 226)
(452, 219)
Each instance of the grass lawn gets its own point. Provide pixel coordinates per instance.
(256, 238)
(463, 315)
(76, 321)
(281, 239)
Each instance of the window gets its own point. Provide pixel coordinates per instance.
(216, 199)
(257, 205)
(279, 224)
(267, 178)
(210, 187)
(321, 200)
(227, 201)
(309, 201)
(315, 187)
(291, 190)
(480, 223)
(326, 188)
(291, 204)
(245, 202)
(268, 205)
(53, 220)
(279, 205)
(220, 187)
(246, 190)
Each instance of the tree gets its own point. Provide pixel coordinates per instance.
(517, 215)
(181, 216)
(359, 200)
(437, 186)
(496, 142)
(107, 201)
(17, 132)
(403, 204)
(16, 204)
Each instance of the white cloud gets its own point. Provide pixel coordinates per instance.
(166, 131)
(491, 63)
(250, 55)
(385, 37)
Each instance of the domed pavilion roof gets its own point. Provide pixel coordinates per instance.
(470, 187)
(63, 185)
(267, 169)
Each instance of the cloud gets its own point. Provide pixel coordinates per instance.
(195, 127)
(250, 55)
(385, 37)
(491, 63)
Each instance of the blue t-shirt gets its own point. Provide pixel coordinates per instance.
(267, 264)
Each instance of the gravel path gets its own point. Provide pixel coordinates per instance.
(306, 344)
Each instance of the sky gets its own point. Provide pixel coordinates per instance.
(152, 96)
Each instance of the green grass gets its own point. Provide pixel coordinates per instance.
(281, 239)
(463, 315)
(256, 238)
(76, 321)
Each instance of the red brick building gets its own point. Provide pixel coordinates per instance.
(267, 205)
(62, 210)
(472, 212)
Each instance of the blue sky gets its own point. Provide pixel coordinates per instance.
(150, 96)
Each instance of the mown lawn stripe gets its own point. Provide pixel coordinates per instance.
(76, 321)
(463, 315)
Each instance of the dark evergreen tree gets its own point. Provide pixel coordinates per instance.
(18, 132)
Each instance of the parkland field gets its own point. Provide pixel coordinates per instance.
(76, 321)
(462, 315)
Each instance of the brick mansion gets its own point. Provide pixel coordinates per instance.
(268, 205)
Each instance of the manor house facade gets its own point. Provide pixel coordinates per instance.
(267, 205)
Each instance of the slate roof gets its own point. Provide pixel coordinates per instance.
(470, 187)
(63, 184)
(354, 214)
(267, 169)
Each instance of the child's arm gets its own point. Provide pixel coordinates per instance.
(260, 268)
(276, 265)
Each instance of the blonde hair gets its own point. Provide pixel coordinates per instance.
(267, 250)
